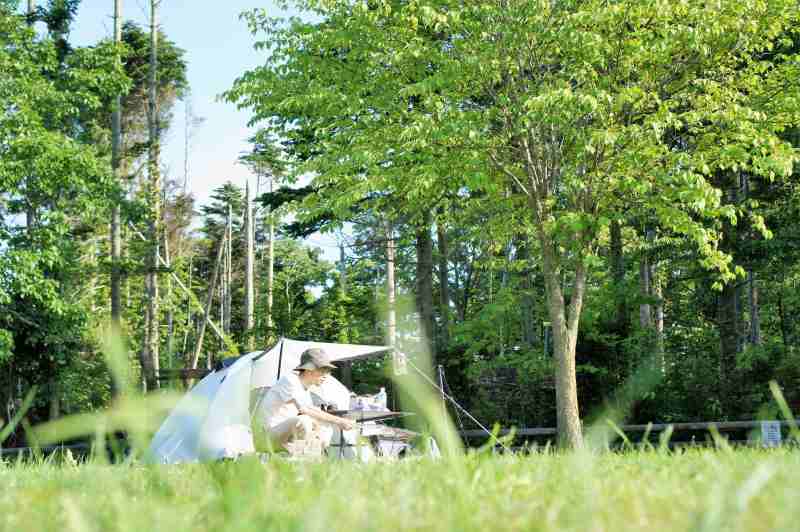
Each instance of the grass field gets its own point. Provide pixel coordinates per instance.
(694, 490)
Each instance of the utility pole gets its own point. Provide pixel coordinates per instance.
(249, 300)
(116, 212)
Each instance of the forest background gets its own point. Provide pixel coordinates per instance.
(596, 199)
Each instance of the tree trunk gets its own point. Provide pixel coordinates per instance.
(126, 282)
(221, 295)
(116, 211)
(187, 131)
(346, 368)
(209, 300)
(729, 315)
(227, 300)
(645, 320)
(462, 303)
(188, 309)
(444, 287)
(565, 336)
(755, 318)
(153, 335)
(342, 269)
(55, 400)
(249, 294)
(787, 328)
(30, 213)
(656, 340)
(347, 373)
(145, 360)
(170, 310)
(391, 317)
(527, 303)
(729, 332)
(617, 259)
(270, 264)
(287, 292)
(659, 324)
(424, 282)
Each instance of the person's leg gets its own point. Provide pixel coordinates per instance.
(295, 428)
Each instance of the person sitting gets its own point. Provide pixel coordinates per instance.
(285, 417)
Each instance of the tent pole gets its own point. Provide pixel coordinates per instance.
(265, 351)
(280, 361)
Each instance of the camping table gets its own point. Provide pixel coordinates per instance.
(369, 415)
(362, 416)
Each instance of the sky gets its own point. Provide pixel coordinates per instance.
(219, 48)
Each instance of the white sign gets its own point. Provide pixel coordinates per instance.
(770, 433)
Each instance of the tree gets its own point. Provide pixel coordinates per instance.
(49, 104)
(150, 352)
(9, 6)
(116, 209)
(135, 194)
(171, 85)
(582, 129)
(249, 298)
(266, 161)
(583, 110)
(297, 270)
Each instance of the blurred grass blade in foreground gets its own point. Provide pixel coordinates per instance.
(785, 410)
(606, 429)
(418, 394)
(138, 416)
(8, 429)
(116, 357)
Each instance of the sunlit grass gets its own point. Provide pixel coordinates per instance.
(695, 490)
(645, 489)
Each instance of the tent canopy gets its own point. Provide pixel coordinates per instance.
(213, 420)
(270, 366)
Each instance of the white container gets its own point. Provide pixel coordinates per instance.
(381, 399)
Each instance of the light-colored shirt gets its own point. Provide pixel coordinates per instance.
(278, 404)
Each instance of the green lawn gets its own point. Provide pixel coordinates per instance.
(694, 490)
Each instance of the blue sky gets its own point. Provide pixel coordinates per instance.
(219, 48)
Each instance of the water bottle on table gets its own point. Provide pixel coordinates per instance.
(381, 399)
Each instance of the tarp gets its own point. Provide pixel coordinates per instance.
(213, 420)
(285, 356)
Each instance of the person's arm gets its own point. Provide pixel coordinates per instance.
(319, 415)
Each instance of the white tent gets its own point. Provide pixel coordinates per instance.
(213, 420)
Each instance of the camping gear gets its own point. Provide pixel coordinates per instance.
(381, 398)
(213, 420)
